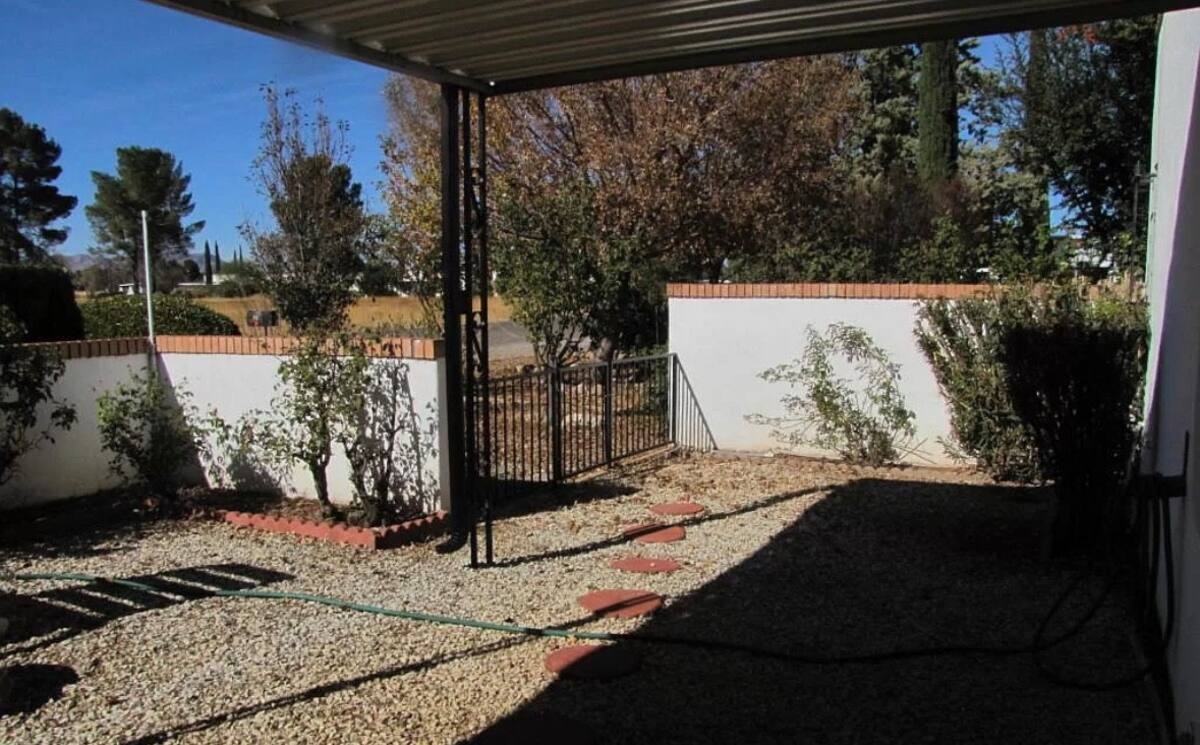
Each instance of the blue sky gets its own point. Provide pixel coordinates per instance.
(101, 74)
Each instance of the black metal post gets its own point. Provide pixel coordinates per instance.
(458, 486)
(468, 311)
(554, 379)
(485, 292)
(608, 413)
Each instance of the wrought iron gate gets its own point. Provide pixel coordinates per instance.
(504, 434)
(561, 422)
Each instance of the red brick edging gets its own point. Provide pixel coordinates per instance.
(847, 290)
(389, 536)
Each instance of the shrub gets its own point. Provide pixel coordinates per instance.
(1074, 369)
(379, 430)
(125, 315)
(863, 419)
(306, 411)
(151, 433)
(42, 299)
(27, 378)
(962, 341)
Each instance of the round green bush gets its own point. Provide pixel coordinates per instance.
(125, 315)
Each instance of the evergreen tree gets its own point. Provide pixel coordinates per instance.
(217, 247)
(208, 268)
(30, 203)
(146, 179)
(937, 112)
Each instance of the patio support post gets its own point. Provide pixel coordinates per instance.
(459, 487)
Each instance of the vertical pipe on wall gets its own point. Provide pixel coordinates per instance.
(149, 281)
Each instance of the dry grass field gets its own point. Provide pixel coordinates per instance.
(367, 312)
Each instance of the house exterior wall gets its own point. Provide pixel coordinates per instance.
(725, 335)
(1173, 288)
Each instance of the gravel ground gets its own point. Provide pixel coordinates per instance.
(792, 554)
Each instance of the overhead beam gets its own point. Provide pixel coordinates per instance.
(293, 32)
(647, 63)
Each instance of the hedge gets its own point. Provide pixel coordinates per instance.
(43, 300)
(125, 315)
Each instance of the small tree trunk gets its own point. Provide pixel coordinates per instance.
(321, 482)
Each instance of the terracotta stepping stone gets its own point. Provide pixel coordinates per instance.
(655, 533)
(621, 603)
(524, 728)
(645, 566)
(677, 508)
(593, 661)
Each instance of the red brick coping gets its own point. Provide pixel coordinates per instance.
(389, 536)
(404, 348)
(882, 291)
(413, 349)
(80, 349)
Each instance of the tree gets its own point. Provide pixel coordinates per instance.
(310, 258)
(683, 173)
(208, 267)
(217, 246)
(1081, 101)
(146, 179)
(937, 112)
(30, 203)
(27, 377)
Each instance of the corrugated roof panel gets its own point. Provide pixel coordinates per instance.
(508, 45)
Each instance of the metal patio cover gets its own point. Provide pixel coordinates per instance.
(503, 46)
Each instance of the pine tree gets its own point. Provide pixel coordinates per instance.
(937, 112)
(217, 248)
(29, 201)
(146, 179)
(208, 268)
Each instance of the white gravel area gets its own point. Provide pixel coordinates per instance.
(799, 554)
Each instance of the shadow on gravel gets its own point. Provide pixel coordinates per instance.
(876, 566)
(32, 686)
(687, 522)
(107, 522)
(50, 616)
(347, 684)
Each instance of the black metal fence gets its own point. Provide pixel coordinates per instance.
(553, 424)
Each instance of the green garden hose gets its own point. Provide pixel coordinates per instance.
(1039, 645)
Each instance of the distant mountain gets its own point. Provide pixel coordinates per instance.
(79, 262)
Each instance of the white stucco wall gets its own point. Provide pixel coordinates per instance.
(234, 385)
(74, 464)
(1173, 285)
(724, 343)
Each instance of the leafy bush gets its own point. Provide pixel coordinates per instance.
(379, 430)
(125, 315)
(151, 432)
(962, 341)
(27, 378)
(863, 419)
(307, 410)
(42, 299)
(1074, 369)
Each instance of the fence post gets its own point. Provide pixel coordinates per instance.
(554, 379)
(608, 413)
(673, 398)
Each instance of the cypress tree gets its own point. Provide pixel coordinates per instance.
(937, 112)
(208, 270)
(217, 246)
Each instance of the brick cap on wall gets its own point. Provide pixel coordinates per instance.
(856, 291)
(85, 348)
(405, 348)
